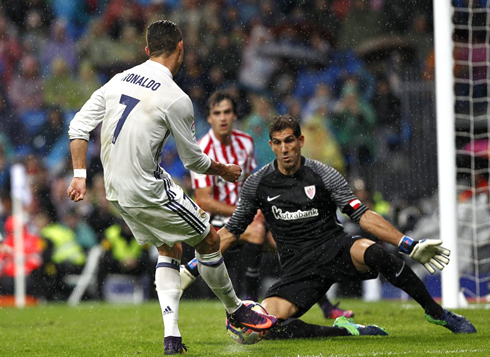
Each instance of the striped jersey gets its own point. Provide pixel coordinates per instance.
(139, 108)
(240, 152)
(300, 209)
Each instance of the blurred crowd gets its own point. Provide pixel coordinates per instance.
(336, 64)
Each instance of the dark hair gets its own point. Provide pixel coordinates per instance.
(217, 97)
(162, 37)
(282, 122)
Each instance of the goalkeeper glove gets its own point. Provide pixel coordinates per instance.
(186, 278)
(426, 251)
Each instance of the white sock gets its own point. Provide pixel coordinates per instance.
(213, 270)
(167, 280)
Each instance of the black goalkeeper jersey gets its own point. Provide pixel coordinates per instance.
(300, 209)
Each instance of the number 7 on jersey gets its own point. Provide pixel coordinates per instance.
(130, 103)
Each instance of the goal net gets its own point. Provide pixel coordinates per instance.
(471, 53)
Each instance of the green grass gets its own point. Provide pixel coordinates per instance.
(137, 330)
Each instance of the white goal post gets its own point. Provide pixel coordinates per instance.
(462, 74)
(446, 148)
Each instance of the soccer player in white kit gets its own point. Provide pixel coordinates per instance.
(139, 108)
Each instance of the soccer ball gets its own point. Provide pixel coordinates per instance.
(244, 335)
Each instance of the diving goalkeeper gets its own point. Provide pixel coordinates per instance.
(299, 198)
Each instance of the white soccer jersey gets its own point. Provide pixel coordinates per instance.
(240, 152)
(139, 108)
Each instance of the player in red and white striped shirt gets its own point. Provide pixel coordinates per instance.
(225, 145)
(219, 198)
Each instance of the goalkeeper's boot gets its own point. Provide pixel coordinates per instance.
(454, 322)
(246, 317)
(331, 311)
(359, 330)
(173, 346)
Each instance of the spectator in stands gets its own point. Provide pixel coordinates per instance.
(59, 44)
(125, 51)
(322, 102)
(44, 9)
(62, 256)
(51, 131)
(36, 25)
(35, 35)
(230, 19)
(10, 125)
(86, 83)
(26, 89)
(60, 88)
(5, 162)
(292, 105)
(85, 235)
(216, 79)
(123, 255)
(353, 123)
(77, 12)
(388, 132)
(226, 55)
(94, 47)
(361, 24)
(19, 10)
(193, 81)
(10, 49)
(248, 10)
(320, 15)
(62, 205)
(420, 34)
(119, 14)
(40, 178)
(101, 215)
(214, 25)
(190, 18)
(32, 260)
(256, 69)
(257, 124)
(321, 143)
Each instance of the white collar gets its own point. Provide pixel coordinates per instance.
(160, 67)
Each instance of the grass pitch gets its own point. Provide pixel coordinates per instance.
(99, 329)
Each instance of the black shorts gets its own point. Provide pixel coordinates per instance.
(304, 287)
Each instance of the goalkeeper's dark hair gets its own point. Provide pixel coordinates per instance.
(283, 122)
(217, 97)
(162, 38)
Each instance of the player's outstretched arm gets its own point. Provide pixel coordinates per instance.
(78, 186)
(427, 252)
(228, 172)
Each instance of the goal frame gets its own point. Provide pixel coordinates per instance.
(446, 148)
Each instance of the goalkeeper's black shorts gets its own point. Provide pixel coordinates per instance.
(304, 284)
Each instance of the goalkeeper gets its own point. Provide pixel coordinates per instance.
(299, 198)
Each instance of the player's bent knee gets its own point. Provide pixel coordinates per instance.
(357, 253)
(174, 252)
(279, 307)
(209, 244)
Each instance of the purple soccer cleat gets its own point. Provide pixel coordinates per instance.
(173, 346)
(245, 316)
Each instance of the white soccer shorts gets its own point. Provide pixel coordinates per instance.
(179, 219)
